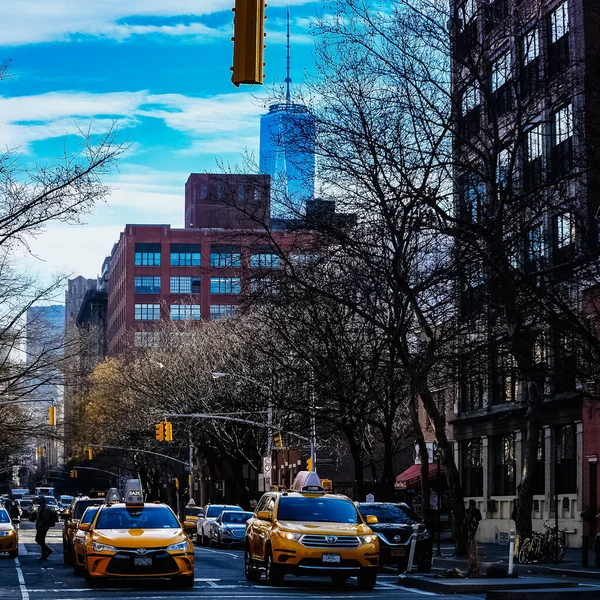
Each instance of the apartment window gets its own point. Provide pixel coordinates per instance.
(268, 260)
(203, 191)
(558, 48)
(530, 63)
(472, 467)
(473, 384)
(496, 14)
(185, 285)
(185, 255)
(507, 381)
(470, 106)
(501, 96)
(185, 312)
(565, 235)
(146, 339)
(222, 311)
(147, 312)
(566, 459)
(225, 256)
(224, 285)
(504, 465)
(146, 285)
(147, 255)
(533, 167)
(562, 141)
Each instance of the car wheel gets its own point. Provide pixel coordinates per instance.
(339, 579)
(67, 558)
(203, 540)
(273, 573)
(14, 553)
(184, 581)
(78, 571)
(367, 579)
(251, 572)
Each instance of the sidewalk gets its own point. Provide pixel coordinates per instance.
(496, 555)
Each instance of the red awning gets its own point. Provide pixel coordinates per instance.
(411, 478)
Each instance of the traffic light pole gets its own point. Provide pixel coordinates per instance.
(181, 462)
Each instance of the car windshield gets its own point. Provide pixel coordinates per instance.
(51, 500)
(81, 506)
(386, 513)
(193, 512)
(89, 514)
(4, 517)
(320, 510)
(235, 517)
(148, 517)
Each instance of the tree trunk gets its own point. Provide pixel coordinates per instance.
(359, 470)
(389, 477)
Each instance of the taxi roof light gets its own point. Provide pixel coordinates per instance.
(306, 479)
(133, 493)
(112, 496)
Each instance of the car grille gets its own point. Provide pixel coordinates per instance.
(320, 541)
(317, 562)
(122, 563)
(390, 535)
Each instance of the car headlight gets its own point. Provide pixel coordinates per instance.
(179, 547)
(5, 533)
(226, 531)
(96, 547)
(367, 539)
(288, 535)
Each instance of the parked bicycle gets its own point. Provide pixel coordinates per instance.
(541, 547)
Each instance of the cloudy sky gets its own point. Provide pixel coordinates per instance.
(161, 68)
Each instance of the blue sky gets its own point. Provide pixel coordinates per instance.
(161, 67)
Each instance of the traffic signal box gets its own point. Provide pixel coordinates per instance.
(90, 454)
(309, 464)
(52, 416)
(278, 441)
(73, 473)
(164, 431)
(248, 41)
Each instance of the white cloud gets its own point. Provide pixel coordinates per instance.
(33, 21)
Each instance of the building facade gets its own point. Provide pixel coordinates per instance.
(523, 76)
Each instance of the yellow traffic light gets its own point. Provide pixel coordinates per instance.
(248, 41)
(90, 454)
(309, 464)
(168, 431)
(40, 451)
(52, 416)
(278, 441)
(159, 432)
(73, 473)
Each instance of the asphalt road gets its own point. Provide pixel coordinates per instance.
(219, 574)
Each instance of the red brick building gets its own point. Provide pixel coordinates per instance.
(160, 273)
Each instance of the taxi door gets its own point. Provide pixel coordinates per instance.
(264, 528)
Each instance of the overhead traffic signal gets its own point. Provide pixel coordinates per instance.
(73, 473)
(164, 431)
(52, 416)
(90, 454)
(248, 41)
(309, 464)
(40, 451)
(278, 441)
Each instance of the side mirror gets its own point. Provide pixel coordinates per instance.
(264, 515)
(85, 526)
(372, 520)
(189, 527)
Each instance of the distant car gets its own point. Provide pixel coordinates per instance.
(210, 513)
(25, 507)
(64, 501)
(191, 514)
(229, 528)
(394, 529)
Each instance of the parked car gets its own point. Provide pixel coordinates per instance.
(229, 528)
(396, 523)
(210, 513)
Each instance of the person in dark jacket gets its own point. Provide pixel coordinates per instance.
(43, 522)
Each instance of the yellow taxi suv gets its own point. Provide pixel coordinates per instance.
(80, 539)
(133, 539)
(9, 537)
(306, 531)
(71, 517)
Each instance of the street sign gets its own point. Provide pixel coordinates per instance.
(370, 498)
(267, 464)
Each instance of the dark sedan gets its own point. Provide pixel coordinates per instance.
(229, 528)
(394, 529)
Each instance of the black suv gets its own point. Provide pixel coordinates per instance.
(395, 526)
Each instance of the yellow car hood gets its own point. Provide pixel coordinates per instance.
(139, 538)
(325, 528)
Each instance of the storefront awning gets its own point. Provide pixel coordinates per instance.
(411, 478)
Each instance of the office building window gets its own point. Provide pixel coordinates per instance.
(500, 71)
(505, 465)
(559, 22)
(225, 256)
(531, 46)
(564, 230)
(470, 99)
(185, 255)
(562, 141)
(185, 285)
(471, 196)
(146, 339)
(183, 312)
(533, 168)
(146, 285)
(203, 191)
(558, 47)
(147, 312)
(222, 311)
(147, 255)
(224, 285)
(472, 467)
(265, 260)
(530, 68)
(535, 250)
(503, 169)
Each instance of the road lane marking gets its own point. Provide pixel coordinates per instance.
(218, 552)
(24, 592)
(406, 589)
(23, 549)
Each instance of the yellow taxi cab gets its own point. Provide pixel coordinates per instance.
(71, 518)
(192, 512)
(306, 531)
(80, 538)
(134, 539)
(9, 537)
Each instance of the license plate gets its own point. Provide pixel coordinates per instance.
(398, 551)
(331, 558)
(142, 561)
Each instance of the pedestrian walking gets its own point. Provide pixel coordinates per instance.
(472, 518)
(44, 520)
(15, 513)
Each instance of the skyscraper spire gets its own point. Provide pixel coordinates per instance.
(288, 79)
